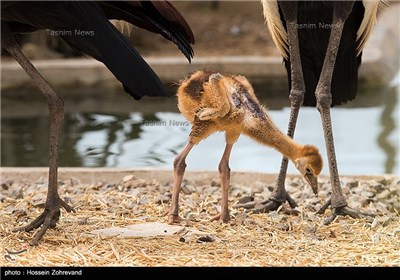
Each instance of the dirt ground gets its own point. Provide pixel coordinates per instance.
(102, 231)
(218, 31)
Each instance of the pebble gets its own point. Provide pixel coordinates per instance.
(17, 194)
(367, 194)
(351, 183)
(7, 184)
(163, 198)
(188, 188)
(245, 199)
(215, 183)
(380, 197)
(383, 195)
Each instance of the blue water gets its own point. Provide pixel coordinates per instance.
(366, 134)
(356, 133)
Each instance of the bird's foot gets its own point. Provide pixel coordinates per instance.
(48, 219)
(173, 218)
(271, 204)
(222, 217)
(343, 211)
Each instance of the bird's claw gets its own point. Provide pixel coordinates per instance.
(222, 217)
(48, 219)
(66, 206)
(342, 211)
(269, 205)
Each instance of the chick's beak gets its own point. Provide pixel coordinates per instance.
(312, 181)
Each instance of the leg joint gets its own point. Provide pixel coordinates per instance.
(324, 101)
(296, 97)
(223, 167)
(179, 165)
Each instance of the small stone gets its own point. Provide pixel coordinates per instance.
(235, 30)
(245, 199)
(283, 227)
(131, 205)
(128, 178)
(78, 191)
(383, 195)
(165, 198)
(382, 181)
(271, 187)
(74, 181)
(394, 190)
(215, 183)
(181, 239)
(378, 187)
(295, 183)
(17, 194)
(385, 220)
(395, 207)
(346, 190)
(204, 239)
(19, 213)
(351, 183)
(39, 200)
(188, 189)
(395, 183)
(143, 200)
(83, 221)
(314, 200)
(367, 194)
(7, 184)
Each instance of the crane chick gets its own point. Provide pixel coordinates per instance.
(213, 102)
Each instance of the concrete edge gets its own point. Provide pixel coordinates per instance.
(381, 62)
(114, 175)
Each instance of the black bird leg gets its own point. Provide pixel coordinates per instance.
(324, 101)
(279, 194)
(51, 214)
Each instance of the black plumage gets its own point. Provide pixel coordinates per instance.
(314, 25)
(321, 43)
(86, 26)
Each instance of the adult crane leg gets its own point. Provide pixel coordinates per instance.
(324, 100)
(51, 214)
(279, 194)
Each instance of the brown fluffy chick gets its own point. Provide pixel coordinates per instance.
(214, 102)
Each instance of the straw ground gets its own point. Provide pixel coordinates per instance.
(279, 238)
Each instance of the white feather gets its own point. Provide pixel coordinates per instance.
(279, 34)
(275, 26)
(369, 20)
(124, 27)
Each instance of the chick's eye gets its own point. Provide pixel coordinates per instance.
(308, 170)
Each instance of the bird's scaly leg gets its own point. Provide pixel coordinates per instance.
(224, 175)
(279, 194)
(51, 214)
(324, 101)
(179, 171)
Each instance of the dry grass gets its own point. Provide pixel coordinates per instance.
(274, 239)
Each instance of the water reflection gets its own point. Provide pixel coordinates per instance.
(367, 139)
